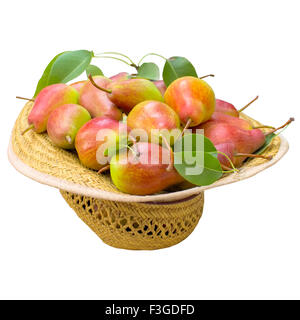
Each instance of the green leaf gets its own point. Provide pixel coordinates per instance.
(268, 141)
(69, 65)
(149, 70)
(196, 159)
(199, 168)
(93, 70)
(195, 142)
(177, 67)
(43, 82)
(64, 67)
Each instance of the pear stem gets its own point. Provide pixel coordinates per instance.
(228, 170)
(136, 154)
(95, 85)
(250, 155)
(263, 127)
(22, 98)
(104, 169)
(131, 138)
(233, 168)
(283, 126)
(170, 166)
(27, 129)
(151, 54)
(115, 53)
(110, 57)
(185, 127)
(248, 104)
(208, 75)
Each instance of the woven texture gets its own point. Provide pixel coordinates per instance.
(138, 226)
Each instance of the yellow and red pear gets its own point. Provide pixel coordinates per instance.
(126, 94)
(192, 99)
(78, 85)
(48, 99)
(64, 123)
(219, 117)
(226, 108)
(96, 101)
(234, 141)
(153, 115)
(88, 141)
(120, 76)
(229, 109)
(133, 172)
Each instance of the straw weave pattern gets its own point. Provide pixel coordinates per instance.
(138, 226)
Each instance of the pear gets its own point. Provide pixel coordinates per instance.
(229, 109)
(150, 115)
(192, 98)
(160, 84)
(128, 93)
(64, 123)
(78, 85)
(218, 117)
(96, 101)
(92, 136)
(133, 172)
(226, 108)
(237, 143)
(49, 98)
(120, 76)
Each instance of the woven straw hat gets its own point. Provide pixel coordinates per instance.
(121, 220)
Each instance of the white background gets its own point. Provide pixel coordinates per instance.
(247, 243)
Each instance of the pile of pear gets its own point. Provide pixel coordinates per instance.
(72, 115)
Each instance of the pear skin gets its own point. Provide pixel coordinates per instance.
(149, 115)
(64, 123)
(96, 101)
(192, 99)
(128, 93)
(219, 117)
(86, 142)
(235, 140)
(132, 171)
(50, 98)
(160, 86)
(226, 108)
(120, 76)
(78, 85)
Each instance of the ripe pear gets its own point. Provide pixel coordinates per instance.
(78, 85)
(192, 98)
(160, 86)
(64, 123)
(229, 109)
(226, 108)
(218, 117)
(150, 115)
(90, 139)
(132, 171)
(120, 76)
(237, 143)
(50, 98)
(128, 93)
(96, 101)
